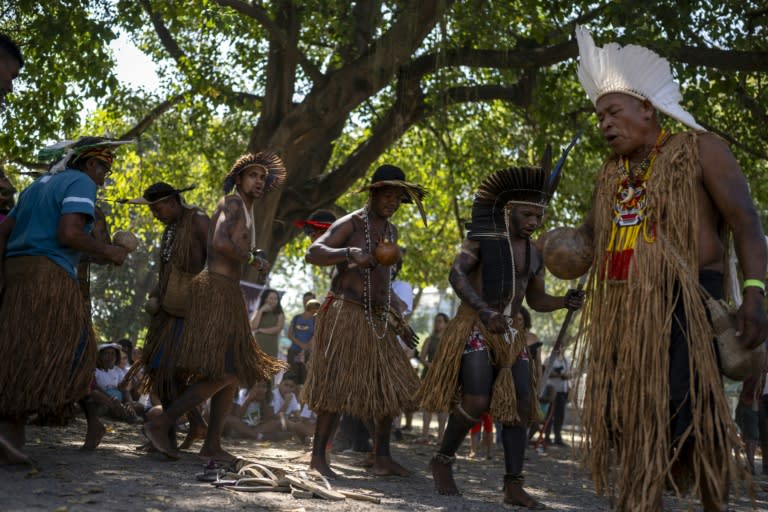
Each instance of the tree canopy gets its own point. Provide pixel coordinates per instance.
(450, 91)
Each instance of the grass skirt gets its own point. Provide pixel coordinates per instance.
(217, 339)
(354, 372)
(156, 370)
(47, 342)
(440, 391)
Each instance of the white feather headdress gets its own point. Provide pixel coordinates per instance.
(632, 70)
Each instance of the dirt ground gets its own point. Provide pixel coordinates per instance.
(118, 478)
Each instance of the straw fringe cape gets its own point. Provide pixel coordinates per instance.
(165, 330)
(624, 347)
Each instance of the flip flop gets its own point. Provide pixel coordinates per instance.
(304, 482)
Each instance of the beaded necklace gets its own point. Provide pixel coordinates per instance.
(249, 221)
(629, 213)
(166, 246)
(367, 289)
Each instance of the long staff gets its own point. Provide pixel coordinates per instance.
(540, 441)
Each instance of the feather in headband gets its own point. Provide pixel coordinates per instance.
(276, 172)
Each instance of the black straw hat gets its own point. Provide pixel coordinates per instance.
(157, 192)
(392, 176)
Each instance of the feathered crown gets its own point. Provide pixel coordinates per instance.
(270, 162)
(521, 185)
(67, 152)
(632, 70)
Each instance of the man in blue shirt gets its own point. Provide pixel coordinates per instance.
(47, 337)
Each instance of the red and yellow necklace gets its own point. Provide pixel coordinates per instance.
(629, 213)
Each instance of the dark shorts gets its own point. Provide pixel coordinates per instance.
(679, 371)
(748, 420)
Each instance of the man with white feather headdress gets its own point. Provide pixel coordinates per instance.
(654, 403)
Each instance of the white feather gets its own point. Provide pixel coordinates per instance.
(632, 70)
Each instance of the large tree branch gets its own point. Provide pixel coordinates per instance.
(542, 56)
(724, 60)
(166, 38)
(152, 116)
(260, 14)
(349, 86)
(243, 99)
(409, 109)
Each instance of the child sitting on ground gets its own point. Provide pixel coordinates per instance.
(280, 417)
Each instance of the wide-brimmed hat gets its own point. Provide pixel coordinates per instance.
(391, 176)
(321, 219)
(156, 193)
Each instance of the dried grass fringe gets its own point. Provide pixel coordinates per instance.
(163, 336)
(354, 372)
(624, 351)
(161, 339)
(217, 332)
(43, 315)
(441, 390)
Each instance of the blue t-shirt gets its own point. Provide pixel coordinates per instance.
(303, 328)
(39, 210)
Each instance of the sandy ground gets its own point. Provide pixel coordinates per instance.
(118, 478)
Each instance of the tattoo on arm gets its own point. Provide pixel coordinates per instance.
(466, 261)
(233, 212)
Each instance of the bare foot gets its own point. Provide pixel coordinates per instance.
(366, 461)
(93, 437)
(146, 447)
(514, 494)
(192, 436)
(386, 466)
(320, 465)
(218, 454)
(442, 474)
(9, 454)
(157, 433)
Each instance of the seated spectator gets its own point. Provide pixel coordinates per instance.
(108, 392)
(275, 416)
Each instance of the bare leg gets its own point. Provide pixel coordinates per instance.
(11, 442)
(198, 429)
(488, 443)
(96, 430)
(221, 404)
(426, 420)
(383, 464)
(474, 440)
(325, 425)
(442, 419)
(157, 429)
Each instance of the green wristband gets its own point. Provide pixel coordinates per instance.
(251, 258)
(754, 283)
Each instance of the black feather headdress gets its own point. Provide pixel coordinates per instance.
(521, 185)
